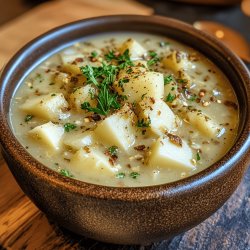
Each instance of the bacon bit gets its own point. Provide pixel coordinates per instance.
(152, 100)
(202, 93)
(212, 99)
(117, 53)
(87, 149)
(140, 147)
(206, 78)
(231, 104)
(111, 161)
(79, 59)
(47, 71)
(94, 117)
(175, 139)
(128, 165)
(93, 59)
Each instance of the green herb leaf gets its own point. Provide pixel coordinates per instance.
(122, 81)
(142, 97)
(88, 71)
(192, 97)
(94, 54)
(120, 175)
(110, 56)
(69, 126)
(143, 124)
(134, 175)
(113, 150)
(168, 79)
(28, 118)
(198, 157)
(170, 97)
(154, 58)
(106, 100)
(65, 173)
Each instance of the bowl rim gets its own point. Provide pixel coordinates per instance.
(16, 151)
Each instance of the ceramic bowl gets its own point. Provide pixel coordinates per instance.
(138, 215)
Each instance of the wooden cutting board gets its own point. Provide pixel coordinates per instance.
(23, 226)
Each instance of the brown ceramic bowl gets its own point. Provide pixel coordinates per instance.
(126, 215)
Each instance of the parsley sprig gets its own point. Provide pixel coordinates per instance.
(123, 60)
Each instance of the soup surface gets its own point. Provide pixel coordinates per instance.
(126, 109)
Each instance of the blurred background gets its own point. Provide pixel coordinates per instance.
(230, 18)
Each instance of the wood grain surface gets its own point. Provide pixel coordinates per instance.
(23, 226)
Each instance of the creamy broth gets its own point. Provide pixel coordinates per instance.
(193, 87)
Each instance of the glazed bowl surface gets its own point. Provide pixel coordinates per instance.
(138, 215)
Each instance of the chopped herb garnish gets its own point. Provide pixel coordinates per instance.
(69, 126)
(170, 97)
(198, 157)
(53, 94)
(28, 118)
(94, 54)
(88, 71)
(120, 175)
(143, 96)
(110, 56)
(143, 124)
(113, 150)
(168, 79)
(106, 100)
(192, 97)
(122, 60)
(134, 175)
(122, 81)
(154, 58)
(65, 173)
(52, 83)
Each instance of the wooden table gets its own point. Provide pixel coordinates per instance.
(23, 226)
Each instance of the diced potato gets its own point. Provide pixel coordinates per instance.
(140, 83)
(48, 134)
(203, 123)
(81, 95)
(166, 154)
(156, 111)
(136, 51)
(117, 129)
(92, 163)
(176, 61)
(79, 139)
(49, 107)
(72, 69)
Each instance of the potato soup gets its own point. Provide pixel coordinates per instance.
(126, 109)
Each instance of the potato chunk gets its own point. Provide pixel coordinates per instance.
(159, 115)
(79, 139)
(167, 154)
(176, 61)
(118, 129)
(49, 107)
(92, 163)
(48, 134)
(140, 83)
(136, 51)
(203, 123)
(81, 95)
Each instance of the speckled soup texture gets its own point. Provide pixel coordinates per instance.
(127, 215)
